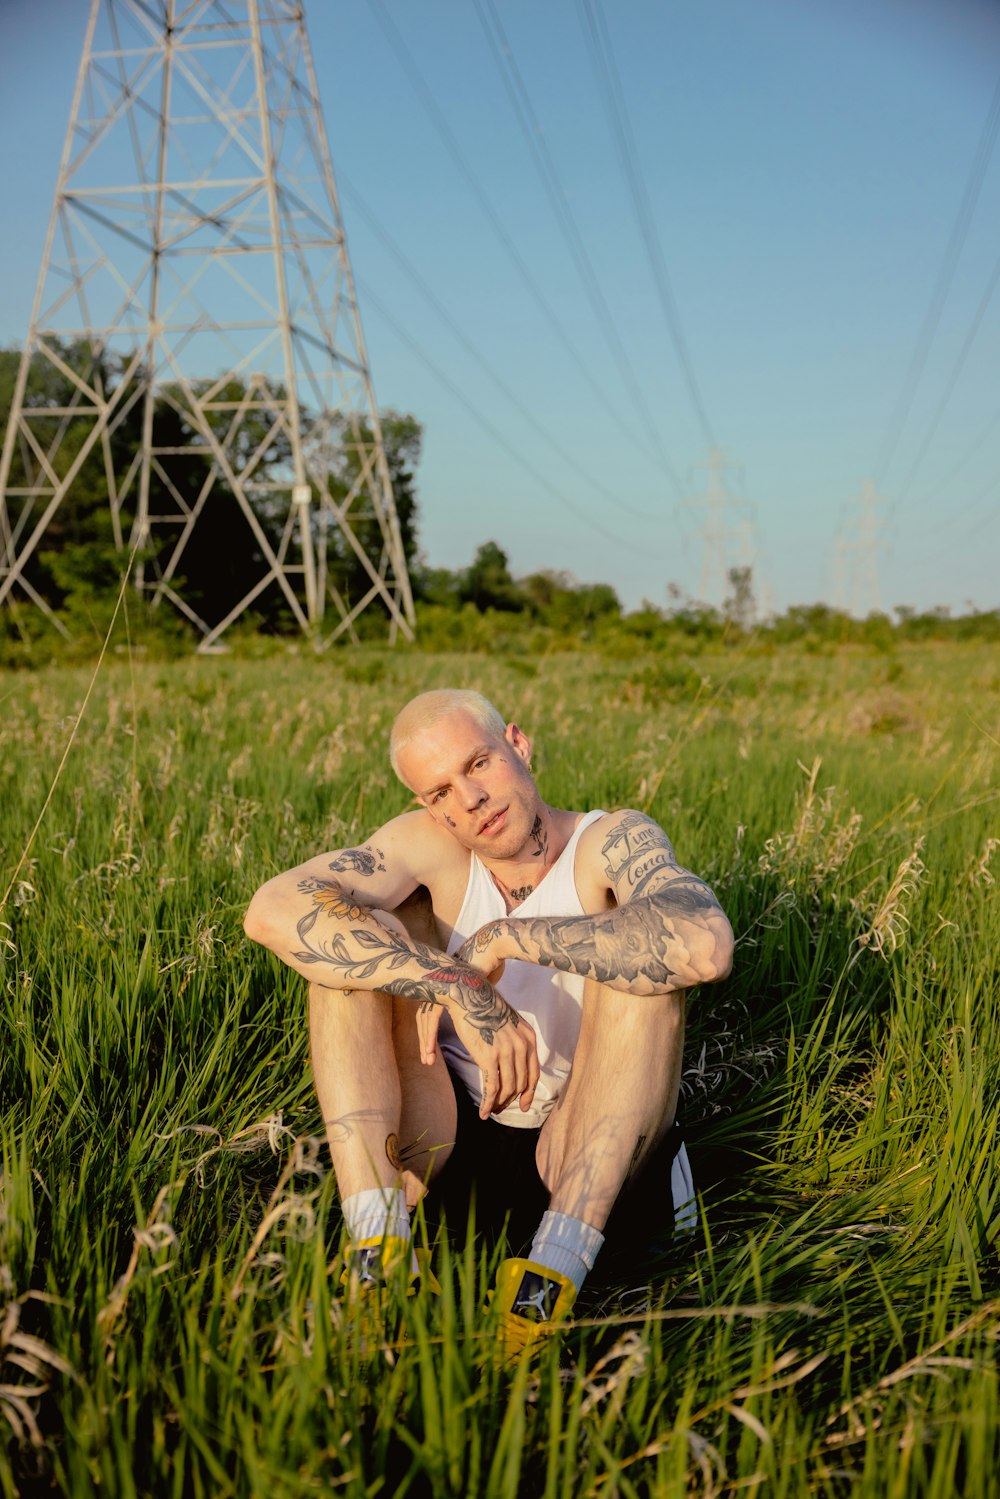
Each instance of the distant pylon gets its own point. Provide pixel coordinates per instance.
(856, 582)
(196, 255)
(727, 533)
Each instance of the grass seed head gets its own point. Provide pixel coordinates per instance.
(979, 872)
(889, 921)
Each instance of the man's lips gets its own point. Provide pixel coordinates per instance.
(493, 824)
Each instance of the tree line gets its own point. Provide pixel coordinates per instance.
(77, 570)
(78, 563)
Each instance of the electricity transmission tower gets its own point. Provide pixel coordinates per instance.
(195, 291)
(856, 585)
(726, 531)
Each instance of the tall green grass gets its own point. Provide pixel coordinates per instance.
(171, 1314)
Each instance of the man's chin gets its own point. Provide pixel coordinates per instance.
(504, 845)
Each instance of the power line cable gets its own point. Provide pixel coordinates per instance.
(949, 389)
(969, 453)
(989, 490)
(513, 81)
(613, 96)
(426, 97)
(942, 286)
(487, 425)
(524, 411)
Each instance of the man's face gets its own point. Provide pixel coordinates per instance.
(475, 784)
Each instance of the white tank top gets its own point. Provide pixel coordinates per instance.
(550, 1001)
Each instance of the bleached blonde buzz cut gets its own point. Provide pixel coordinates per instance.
(428, 708)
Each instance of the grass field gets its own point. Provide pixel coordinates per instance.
(169, 1233)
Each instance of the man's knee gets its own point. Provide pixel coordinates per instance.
(415, 917)
(617, 1006)
(640, 1034)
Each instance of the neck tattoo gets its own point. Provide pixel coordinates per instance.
(512, 897)
(539, 838)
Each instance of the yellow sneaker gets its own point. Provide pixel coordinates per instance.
(376, 1273)
(532, 1301)
(374, 1262)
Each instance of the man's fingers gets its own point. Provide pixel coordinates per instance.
(428, 1020)
(522, 1060)
(519, 1072)
(507, 1094)
(491, 1091)
(508, 1066)
(534, 1072)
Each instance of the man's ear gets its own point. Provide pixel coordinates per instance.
(519, 743)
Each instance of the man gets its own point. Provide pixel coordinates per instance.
(546, 983)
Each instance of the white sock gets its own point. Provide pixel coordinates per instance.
(566, 1245)
(379, 1212)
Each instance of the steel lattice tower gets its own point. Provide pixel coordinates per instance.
(856, 581)
(727, 534)
(196, 256)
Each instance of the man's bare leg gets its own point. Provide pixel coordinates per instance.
(357, 1084)
(620, 1100)
(429, 1115)
(375, 1096)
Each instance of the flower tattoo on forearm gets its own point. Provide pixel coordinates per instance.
(439, 981)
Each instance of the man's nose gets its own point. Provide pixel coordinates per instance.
(471, 794)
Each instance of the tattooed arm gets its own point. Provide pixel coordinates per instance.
(333, 933)
(666, 931)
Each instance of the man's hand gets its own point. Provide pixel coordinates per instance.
(500, 1043)
(483, 952)
(507, 1061)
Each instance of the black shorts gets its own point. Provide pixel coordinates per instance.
(492, 1173)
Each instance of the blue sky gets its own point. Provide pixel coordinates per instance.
(804, 163)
